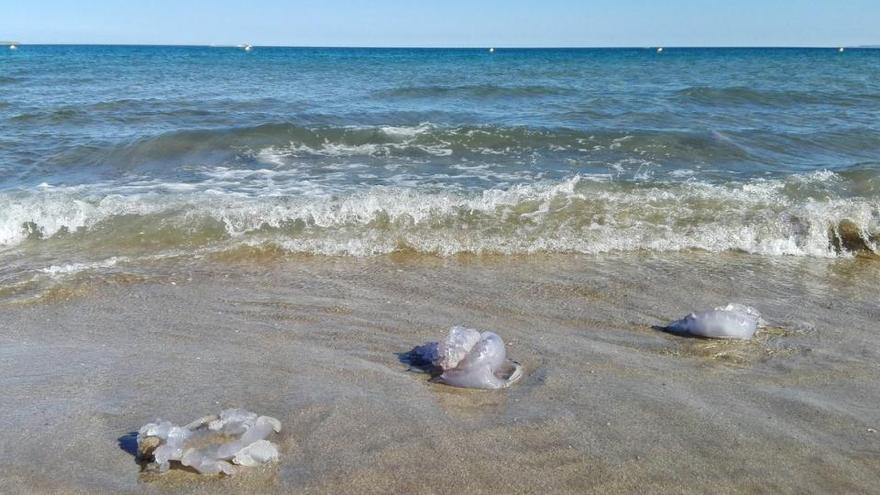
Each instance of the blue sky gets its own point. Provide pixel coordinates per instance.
(446, 22)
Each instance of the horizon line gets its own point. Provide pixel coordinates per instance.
(439, 47)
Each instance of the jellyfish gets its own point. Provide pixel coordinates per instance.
(468, 358)
(734, 321)
(210, 445)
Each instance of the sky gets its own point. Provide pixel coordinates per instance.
(446, 23)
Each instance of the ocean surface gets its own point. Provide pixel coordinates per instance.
(119, 154)
(273, 229)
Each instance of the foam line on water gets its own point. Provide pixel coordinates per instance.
(792, 216)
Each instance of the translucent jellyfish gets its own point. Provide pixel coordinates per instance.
(734, 321)
(469, 359)
(210, 445)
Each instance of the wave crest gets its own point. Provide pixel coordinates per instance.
(221, 146)
(772, 217)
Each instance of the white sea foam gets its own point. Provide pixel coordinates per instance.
(396, 140)
(71, 268)
(407, 131)
(582, 214)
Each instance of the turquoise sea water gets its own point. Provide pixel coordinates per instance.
(112, 153)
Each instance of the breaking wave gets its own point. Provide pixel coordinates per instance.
(798, 215)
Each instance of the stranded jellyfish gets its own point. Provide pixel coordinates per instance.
(734, 321)
(210, 445)
(467, 358)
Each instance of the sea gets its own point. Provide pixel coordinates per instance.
(122, 154)
(189, 229)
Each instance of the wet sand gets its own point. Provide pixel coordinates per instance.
(608, 404)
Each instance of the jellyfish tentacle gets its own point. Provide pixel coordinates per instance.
(235, 436)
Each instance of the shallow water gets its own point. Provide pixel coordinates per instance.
(121, 154)
(607, 404)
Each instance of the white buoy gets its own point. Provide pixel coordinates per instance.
(491, 50)
(660, 50)
(13, 47)
(248, 48)
(841, 50)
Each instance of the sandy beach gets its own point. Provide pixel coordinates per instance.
(608, 404)
(269, 239)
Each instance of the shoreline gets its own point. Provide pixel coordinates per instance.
(607, 405)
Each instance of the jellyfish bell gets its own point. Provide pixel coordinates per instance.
(734, 321)
(483, 367)
(468, 358)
